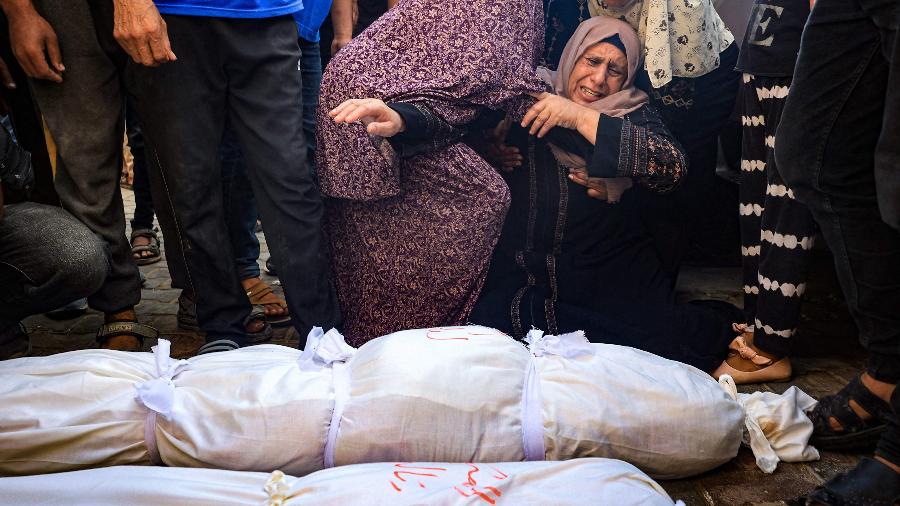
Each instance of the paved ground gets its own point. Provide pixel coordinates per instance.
(829, 355)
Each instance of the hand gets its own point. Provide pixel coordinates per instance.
(142, 32)
(379, 119)
(338, 43)
(551, 111)
(35, 45)
(496, 152)
(605, 189)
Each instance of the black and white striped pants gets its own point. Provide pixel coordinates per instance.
(777, 231)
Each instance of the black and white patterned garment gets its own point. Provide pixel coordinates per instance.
(777, 231)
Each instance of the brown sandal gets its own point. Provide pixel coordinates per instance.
(261, 294)
(767, 369)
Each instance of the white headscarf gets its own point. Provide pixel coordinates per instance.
(680, 38)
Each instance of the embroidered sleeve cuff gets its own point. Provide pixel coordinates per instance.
(607, 148)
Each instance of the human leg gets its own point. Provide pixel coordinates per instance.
(241, 216)
(261, 99)
(90, 159)
(824, 148)
(782, 229)
(311, 72)
(47, 259)
(186, 147)
(144, 242)
(87, 177)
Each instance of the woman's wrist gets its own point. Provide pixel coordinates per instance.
(587, 123)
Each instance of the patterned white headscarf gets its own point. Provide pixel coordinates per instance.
(680, 38)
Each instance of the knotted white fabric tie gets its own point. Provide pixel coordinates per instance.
(783, 414)
(569, 345)
(158, 394)
(277, 489)
(330, 350)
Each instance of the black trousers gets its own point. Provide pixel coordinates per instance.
(838, 115)
(245, 71)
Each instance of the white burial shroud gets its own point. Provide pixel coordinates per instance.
(460, 394)
(582, 481)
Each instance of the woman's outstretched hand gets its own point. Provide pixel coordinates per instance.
(379, 119)
(551, 111)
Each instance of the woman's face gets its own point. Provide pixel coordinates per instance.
(600, 71)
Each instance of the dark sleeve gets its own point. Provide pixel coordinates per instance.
(425, 131)
(638, 146)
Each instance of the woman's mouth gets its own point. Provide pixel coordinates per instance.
(591, 93)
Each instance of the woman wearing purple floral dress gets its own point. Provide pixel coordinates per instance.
(412, 235)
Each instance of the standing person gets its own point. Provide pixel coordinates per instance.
(689, 75)
(839, 115)
(237, 62)
(777, 231)
(412, 238)
(83, 105)
(144, 241)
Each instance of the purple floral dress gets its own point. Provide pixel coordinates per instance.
(412, 238)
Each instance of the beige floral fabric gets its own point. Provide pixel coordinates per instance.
(680, 38)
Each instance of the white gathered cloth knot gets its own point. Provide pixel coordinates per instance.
(277, 488)
(569, 345)
(324, 349)
(776, 427)
(158, 394)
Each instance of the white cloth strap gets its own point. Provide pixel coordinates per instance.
(328, 349)
(566, 345)
(158, 394)
(532, 420)
(341, 377)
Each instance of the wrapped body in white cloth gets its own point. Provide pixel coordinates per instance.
(463, 394)
(582, 481)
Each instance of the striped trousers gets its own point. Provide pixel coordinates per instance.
(777, 231)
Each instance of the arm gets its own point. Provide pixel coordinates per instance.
(411, 129)
(33, 40)
(638, 146)
(342, 21)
